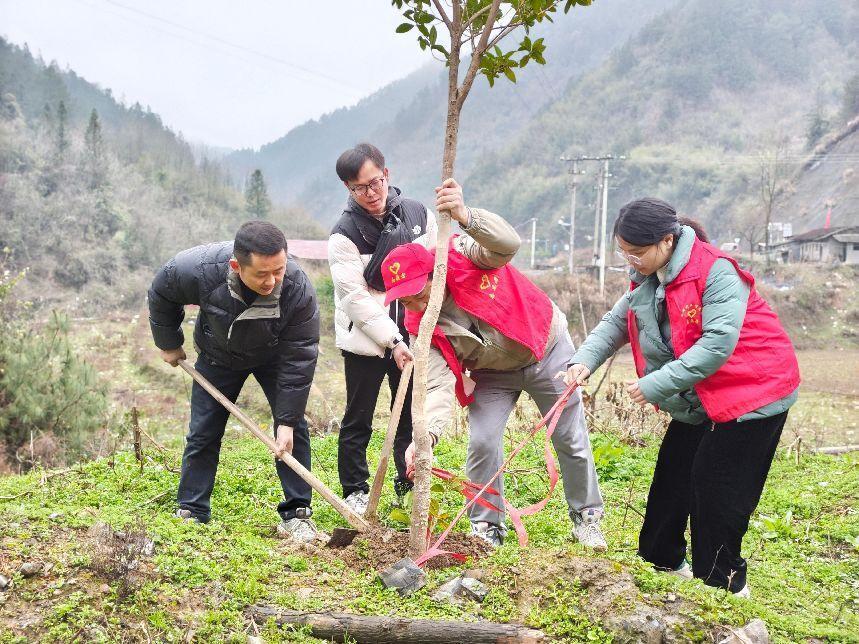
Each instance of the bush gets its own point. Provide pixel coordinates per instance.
(45, 390)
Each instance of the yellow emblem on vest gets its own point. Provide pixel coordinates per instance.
(486, 283)
(692, 313)
(395, 269)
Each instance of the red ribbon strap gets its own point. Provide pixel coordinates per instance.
(473, 492)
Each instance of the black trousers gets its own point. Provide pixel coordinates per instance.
(364, 376)
(203, 443)
(712, 476)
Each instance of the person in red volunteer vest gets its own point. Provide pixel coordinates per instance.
(710, 351)
(497, 336)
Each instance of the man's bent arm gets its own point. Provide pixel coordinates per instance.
(299, 347)
(490, 242)
(174, 286)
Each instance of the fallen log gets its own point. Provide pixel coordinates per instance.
(396, 630)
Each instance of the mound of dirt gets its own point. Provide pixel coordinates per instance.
(379, 548)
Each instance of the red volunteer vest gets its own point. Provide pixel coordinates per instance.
(502, 297)
(763, 366)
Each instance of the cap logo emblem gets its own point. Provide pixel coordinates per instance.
(395, 271)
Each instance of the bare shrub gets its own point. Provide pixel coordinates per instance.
(614, 412)
(117, 554)
(45, 450)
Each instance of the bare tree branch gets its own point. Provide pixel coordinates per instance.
(442, 14)
(475, 16)
(474, 64)
(504, 32)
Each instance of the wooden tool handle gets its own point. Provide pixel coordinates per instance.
(387, 446)
(354, 519)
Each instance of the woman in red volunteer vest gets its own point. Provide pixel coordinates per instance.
(709, 351)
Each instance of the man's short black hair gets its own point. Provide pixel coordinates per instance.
(349, 163)
(260, 237)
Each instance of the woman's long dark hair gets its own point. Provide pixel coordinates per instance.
(647, 221)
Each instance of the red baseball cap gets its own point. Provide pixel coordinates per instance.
(405, 271)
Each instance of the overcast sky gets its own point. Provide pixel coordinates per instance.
(223, 72)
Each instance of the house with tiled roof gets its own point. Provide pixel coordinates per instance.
(836, 245)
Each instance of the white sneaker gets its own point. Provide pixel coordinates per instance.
(303, 530)
(358, 502)
(683, 571)
(586, 528)
(489, 532)
(745, 592)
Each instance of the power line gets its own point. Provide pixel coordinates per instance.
(314, 76)
(248, 50)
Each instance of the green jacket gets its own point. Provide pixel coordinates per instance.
(668, 381)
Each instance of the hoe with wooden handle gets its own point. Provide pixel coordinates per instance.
(354, 519)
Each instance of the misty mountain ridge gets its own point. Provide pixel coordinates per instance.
(689, 91)
(406, 118)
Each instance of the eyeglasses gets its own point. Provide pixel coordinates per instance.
(635, 260)
(375, 185)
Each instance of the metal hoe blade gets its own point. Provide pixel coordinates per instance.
(342, 537)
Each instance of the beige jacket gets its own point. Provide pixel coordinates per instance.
(489, 242)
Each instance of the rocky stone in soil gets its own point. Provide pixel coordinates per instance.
(474, 589)
(461, 587)
(755, 632)
(404, 576)
(30, 568)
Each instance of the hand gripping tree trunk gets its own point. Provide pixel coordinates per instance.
(481, 25)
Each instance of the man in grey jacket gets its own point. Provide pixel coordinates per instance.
(258, 316)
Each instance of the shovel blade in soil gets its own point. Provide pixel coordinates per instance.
(404, 576)
(341, 537)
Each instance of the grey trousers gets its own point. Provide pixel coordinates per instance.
(495, 395)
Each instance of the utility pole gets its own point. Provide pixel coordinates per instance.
(600, 210)
(597, 212)
(533, 239)
(605, 176)
(574, 172)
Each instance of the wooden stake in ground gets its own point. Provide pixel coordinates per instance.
(387, 446)
(478, 25)
(354, 519)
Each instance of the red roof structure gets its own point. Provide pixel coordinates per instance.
(308, 248)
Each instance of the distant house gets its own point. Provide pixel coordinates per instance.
(308, 248)
(838, 245)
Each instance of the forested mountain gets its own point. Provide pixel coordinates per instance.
(406, 119)
(702, 97)
(94, 195)
(697, 95)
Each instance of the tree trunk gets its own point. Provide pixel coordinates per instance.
(391, 630)
(420, 435)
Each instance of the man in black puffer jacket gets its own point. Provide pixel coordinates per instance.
(258, 316)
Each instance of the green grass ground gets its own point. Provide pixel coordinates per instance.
(803, 546)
